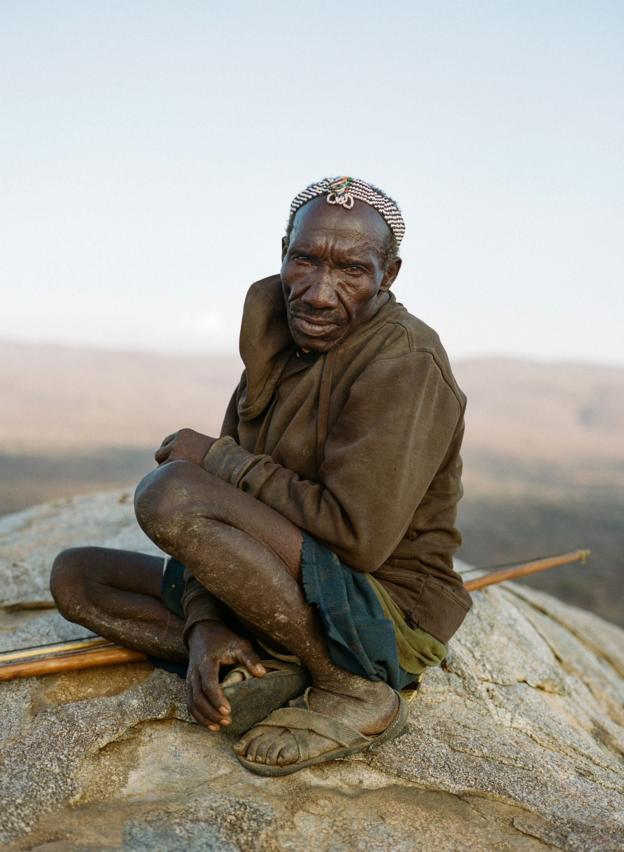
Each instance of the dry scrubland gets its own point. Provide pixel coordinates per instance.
(544, 450)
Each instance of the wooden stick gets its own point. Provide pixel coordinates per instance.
(55, 649)
(109, 656)
(96, 651)
(526, 569)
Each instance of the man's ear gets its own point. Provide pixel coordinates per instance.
(391, 273)
(284, 247)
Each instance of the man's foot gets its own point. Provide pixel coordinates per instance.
(365, 706)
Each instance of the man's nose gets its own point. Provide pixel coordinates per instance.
(320, 292)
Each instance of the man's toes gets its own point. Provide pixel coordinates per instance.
(288, 753)
(243, 744)
(263, 744)
(266, 745)
(256, 750)
(274, 750)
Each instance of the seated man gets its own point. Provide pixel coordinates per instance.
(321, 522)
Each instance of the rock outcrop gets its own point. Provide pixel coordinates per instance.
(515, 744)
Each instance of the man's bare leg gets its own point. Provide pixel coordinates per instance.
(248, 556)
(116, 594)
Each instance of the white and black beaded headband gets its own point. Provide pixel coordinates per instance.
(344, 191)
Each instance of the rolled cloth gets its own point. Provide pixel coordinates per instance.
(364, 634)
(345, 190)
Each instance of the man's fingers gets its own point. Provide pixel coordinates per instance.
(200, 703)
(251, 661)
(213, 691)
(202, 720)
(161, 454)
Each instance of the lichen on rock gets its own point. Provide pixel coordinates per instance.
(516, 743)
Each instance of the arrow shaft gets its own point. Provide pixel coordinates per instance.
(525, 569)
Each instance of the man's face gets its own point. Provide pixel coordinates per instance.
(333, 270)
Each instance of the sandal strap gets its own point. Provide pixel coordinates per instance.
(297, 719)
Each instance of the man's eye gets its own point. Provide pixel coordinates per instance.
(354, 269)
(302, 258)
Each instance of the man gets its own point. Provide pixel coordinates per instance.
(321, 522)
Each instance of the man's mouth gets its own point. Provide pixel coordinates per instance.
(313, 326)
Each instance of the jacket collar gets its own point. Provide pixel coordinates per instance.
(266, 343)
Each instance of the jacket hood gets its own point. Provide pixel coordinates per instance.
(265, 345)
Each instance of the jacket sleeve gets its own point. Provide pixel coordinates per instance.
(379, 460)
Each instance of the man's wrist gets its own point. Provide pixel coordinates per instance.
(203, 625)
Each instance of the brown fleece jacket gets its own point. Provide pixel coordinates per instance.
(358, 446)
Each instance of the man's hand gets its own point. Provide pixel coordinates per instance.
(186, 444)
(211, 645)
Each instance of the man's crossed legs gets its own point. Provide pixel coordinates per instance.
(248, 556)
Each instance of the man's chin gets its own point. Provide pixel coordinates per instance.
(313, 344)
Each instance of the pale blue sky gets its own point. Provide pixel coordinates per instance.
(149, 151)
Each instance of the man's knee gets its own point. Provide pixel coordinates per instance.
(163, 501)
(67, 580)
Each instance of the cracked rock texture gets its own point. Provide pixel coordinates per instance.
(515, 744)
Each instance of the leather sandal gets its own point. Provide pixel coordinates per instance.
(347, 740)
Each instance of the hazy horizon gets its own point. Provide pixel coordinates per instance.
(129, 349)
(150, 152)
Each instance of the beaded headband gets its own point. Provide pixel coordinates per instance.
(345, 190)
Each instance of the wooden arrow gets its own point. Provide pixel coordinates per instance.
(66, 656)
(526, 568)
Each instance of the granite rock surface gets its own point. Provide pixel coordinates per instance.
(516, 743)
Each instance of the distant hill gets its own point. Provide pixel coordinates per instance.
(63, 398)
(535, 409)
(556, 422)
(543, 453)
